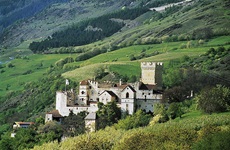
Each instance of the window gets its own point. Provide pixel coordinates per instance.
(127, 106)
(82, 92)
(127, 95)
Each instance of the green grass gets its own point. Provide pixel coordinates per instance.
(116, 61)
(128, 69)
(21, 50)
(14, 78)
(173, 134)
(123, 65)
(222, 40)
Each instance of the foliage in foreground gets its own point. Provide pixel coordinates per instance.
(171, 135)
(139, 119)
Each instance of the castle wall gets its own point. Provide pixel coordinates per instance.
(147, 105)
(61, 101)
(64, 110)
(105, 98)
(89, 92)
(128, 100)
(83, 95)
(48, 117)
(128, 105)
(148, 94)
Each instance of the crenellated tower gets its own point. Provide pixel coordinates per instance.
(151, 73)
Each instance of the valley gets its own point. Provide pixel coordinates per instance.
(78, 40)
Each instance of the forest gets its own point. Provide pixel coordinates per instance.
(101, 27)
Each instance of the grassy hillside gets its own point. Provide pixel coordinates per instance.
(167, 51)
(32, 67)
(28, 82)
(184, 133)
(175, 23)
(25, 70)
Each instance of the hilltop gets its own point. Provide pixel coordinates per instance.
(39, 19)
(192, 40)
(192, 20)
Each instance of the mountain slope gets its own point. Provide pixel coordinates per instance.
(13, 10)
(193, 20)
(164, 36)
(51, 16)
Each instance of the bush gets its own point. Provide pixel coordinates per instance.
(219, 140)
(202, 33)
(10, 65)
(139, 119)
(215, 99)
(174, 110)
(161, 110)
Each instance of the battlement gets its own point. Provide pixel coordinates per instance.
(152, 73)
(150, 64)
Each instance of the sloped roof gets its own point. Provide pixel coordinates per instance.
(110, 93)
(122, 86)
(24, 123)
(84, 82)
(91, 116)
(129, 87)
(55, 114)
(147, 86)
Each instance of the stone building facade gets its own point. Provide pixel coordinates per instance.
(129, 96)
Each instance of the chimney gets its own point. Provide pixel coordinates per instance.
(120, 82)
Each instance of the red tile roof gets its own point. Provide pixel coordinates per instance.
(84, 82)
(24, 123)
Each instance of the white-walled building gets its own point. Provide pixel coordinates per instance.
(130, 97)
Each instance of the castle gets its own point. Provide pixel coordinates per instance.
(129, 96)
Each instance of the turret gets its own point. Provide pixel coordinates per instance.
(151, 73)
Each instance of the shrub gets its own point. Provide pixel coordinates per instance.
(174, 110)
(219, 140)
(10, 65)
(139, 119)
(202, 33)
(161, 110)
(215, 99)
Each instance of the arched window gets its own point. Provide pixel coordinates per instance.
(127, 95)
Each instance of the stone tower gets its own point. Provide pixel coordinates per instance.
(83, 93)
(151, 73)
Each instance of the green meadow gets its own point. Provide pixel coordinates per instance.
(25, 70)
(30, 67)
(119, 60)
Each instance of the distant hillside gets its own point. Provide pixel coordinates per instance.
(22, 20)
(13, 10)
(188, 21)
(88, 31)
(41, 18)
